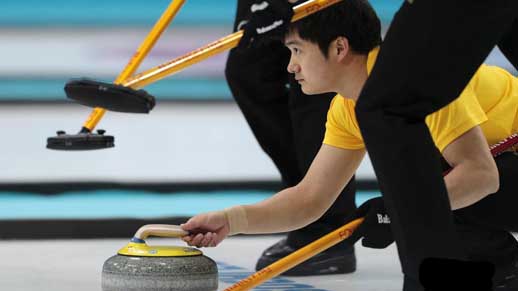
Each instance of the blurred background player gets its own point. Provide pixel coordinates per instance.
(289, 127)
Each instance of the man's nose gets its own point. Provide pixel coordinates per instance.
(293, 67)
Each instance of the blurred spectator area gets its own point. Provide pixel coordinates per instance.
(44, 43)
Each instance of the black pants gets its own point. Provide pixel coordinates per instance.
(288, 125)
(429, 54)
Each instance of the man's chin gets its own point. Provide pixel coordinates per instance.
(309, 91)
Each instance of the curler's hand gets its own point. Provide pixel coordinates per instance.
(375, 228)
(269, 20)
(206, 229)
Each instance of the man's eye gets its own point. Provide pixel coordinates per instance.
(296, 50)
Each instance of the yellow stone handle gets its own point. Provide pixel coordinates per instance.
(161, 230)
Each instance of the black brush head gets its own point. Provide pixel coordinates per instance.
(109, 96)
(80, 141)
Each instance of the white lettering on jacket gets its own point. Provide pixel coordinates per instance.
(383, 219)
(272, 26)
(258, 7)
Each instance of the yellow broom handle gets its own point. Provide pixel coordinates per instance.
(296, 257)
(220, 45)
(139, 56)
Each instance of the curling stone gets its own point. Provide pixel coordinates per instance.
(139, 267)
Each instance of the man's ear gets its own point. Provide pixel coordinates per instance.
(341, 47)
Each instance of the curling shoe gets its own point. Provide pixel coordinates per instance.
(331, 261)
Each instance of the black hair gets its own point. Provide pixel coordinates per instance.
(354, 19)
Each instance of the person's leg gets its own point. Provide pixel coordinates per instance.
(430, 52)
(290, 130)
(509, 43)
(258, 81)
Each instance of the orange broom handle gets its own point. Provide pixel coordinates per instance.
(296, 257)
(139, 56)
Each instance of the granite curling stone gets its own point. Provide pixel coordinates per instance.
(139, 267)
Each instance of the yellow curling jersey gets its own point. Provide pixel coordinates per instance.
(490, 100)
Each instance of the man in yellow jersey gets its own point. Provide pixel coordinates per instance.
(289, 126)
(481, 190)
